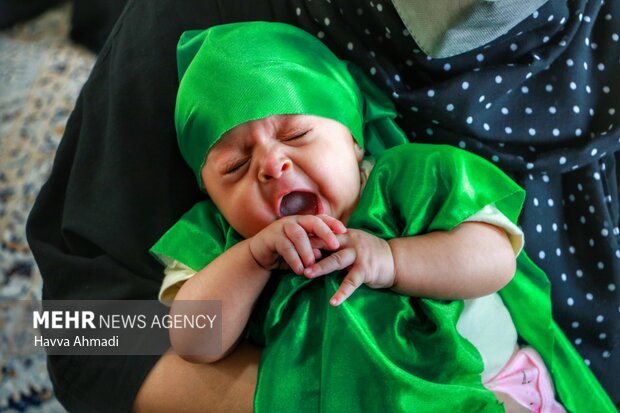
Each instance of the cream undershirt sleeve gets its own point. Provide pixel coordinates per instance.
(175, 274)
(491, 215)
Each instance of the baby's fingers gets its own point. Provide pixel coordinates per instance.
(321, 230)
(351, 282)
(336, 261)
(334, 224)
(300, 244)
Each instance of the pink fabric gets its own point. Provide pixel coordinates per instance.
(526, 380)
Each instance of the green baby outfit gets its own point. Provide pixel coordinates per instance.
(378, 351)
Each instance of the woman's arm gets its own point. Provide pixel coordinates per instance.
(176, 385)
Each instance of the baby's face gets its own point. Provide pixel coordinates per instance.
(282, 165)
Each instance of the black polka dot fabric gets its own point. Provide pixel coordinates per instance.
(543, 103)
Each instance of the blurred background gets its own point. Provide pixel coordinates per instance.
(47, 49)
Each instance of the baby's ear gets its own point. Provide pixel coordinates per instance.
(359, 152)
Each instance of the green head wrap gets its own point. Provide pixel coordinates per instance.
(235, 73)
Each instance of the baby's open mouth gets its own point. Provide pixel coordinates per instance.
(299, 203)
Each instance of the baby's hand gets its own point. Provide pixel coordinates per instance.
(291, 241)
(369, 258)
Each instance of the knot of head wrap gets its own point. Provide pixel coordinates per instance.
(239, 72)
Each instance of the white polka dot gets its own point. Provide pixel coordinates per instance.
(578, 132)
(545, 39)
(450, 107)
(488, 105)
(409, 62)
(481, 99)
(513, 47)
(600, 66)
(508, 130)
(320, 35)
(462, 145)
(350, 47)
(524, 89)
(604, 232)
(562, 160)
(552, 110)
(465, 85)
(495, 158)
(570, 301)
(569, 62)
(429, 132)
(529, 111)
(615, 37)
(593, 152)
(486, 126)
(395, 95)
(535, 14)
(558, 252)
(531, 131)
(541, 255)
(576, 109)
(528, 75)
(600, 265)
(447, 67)
(611, 287)
(550, 18)
(539, 228)
(326, 21)
(575, 324)
(529, 165)
(588, 89)
(298, 11)
(587, 361)
(554, 226)
(577, 341)
(573, 85)
(579, 273)
(585, 65)
(600, 318)
(380, 7)
(469, 120)
(606, 354)
(612, 111)
(480, 57)
(555, 132)
(498, 79)
(550, 202)
(589, 297)
(430, 93)
(563, 276)
(373, 71)
(596, 176)
(414, 109)
(571, 249)
(549, 88)
(504, 111)
(535, 201)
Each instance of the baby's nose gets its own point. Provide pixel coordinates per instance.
(273, 167)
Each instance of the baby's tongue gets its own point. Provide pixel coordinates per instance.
(298, 203)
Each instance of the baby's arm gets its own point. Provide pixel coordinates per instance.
(472, 260)
(237, 277)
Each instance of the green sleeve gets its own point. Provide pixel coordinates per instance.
(418, 188)
(197, 238)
